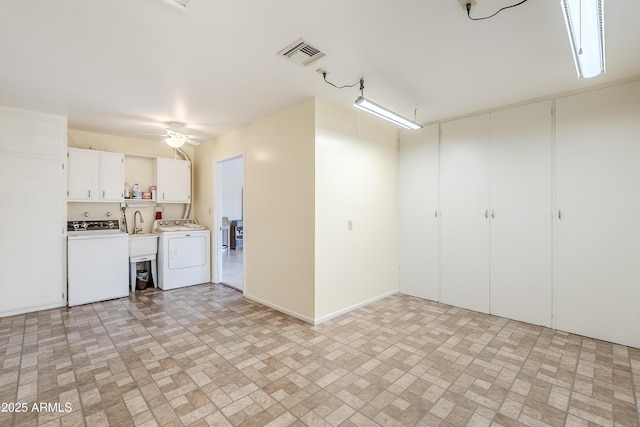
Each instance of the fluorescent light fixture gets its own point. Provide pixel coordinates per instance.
(585, 26)
(378, 110)
(178, 4)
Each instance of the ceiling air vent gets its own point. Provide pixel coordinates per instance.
(301, 52)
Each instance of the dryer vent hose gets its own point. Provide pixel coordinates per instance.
(187, 207)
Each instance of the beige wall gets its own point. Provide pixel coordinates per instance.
(308, 170)
(356, 180)
(279, 205)
(138, 168)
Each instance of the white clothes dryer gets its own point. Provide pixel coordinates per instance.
(183, 253)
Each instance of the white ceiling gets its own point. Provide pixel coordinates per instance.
(127, 67)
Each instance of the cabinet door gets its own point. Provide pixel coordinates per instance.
(34, 211)
(521, 235)
(418, 194)
(464, 201)
(32, 239)
(111, 177)
(84, 176)
(597, 252)
(173, 179)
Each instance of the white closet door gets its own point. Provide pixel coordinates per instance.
(418, 198)
(34, 211)
(32, 258)
(464, 198)
(521, 237)
(597, 274)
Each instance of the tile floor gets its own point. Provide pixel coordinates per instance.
(233, 268)
(204, 355)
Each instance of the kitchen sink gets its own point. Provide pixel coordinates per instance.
(143, 244)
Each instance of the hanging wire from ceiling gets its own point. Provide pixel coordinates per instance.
(468, 7)
(324, 75)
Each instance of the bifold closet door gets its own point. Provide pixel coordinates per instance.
(465, 221)
(597, 255)
(521, 235)
(418, 199)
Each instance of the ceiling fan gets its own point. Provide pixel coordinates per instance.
(175, 136)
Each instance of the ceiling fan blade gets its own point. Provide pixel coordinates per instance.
(192, 142)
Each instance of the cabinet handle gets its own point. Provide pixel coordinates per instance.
(162, 196)
(486, 213)
(89, 193)
(493, 213)
(436, 213)
(559, 213)
(103, 194)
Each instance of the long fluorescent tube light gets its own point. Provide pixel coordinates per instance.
(585, 26)
(378, 110)
(178, 4)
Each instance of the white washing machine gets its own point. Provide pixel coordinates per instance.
(98, 261)
(183, 253)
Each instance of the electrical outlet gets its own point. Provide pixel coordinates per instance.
(464, 3)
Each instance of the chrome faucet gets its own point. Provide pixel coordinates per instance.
(135, 224)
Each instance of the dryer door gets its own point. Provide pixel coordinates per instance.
(187, 251)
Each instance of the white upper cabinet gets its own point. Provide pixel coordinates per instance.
(418, 198)
(111, 177)
(521, 235)
(95, 176)
(173, 180)
(84, 176)
(597, 273)
(465, 205)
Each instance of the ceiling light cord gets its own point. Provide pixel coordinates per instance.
(468, 7)
(324, 75)
(580, 12)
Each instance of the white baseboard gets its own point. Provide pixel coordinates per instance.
(345, 310)
(24, 310)
(324, 318)
(278, 308)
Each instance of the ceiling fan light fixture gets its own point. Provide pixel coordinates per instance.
(175, 139)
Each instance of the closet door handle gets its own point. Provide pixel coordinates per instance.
(436, 213)
(486, 213)
(559, 213)
(89, 193)
(103, 193)
(493, 213)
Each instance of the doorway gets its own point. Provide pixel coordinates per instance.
(230, 217)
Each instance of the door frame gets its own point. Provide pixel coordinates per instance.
(217, 220)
